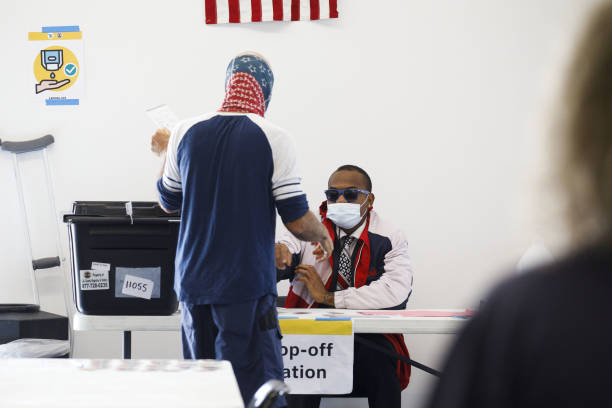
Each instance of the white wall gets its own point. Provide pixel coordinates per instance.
(445, 103)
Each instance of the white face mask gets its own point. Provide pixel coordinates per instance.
(345, 215)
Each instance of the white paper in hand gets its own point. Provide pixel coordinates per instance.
(139, 287)
(163, 117)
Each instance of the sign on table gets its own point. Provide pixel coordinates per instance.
(318, 355)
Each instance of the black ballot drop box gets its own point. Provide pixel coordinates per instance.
(122, 257)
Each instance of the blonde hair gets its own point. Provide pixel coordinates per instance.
(586, 148)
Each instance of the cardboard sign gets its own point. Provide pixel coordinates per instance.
(318, 355)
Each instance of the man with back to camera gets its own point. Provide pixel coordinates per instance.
(228, 171)
(370, 269)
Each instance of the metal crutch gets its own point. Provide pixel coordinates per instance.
(16, 149)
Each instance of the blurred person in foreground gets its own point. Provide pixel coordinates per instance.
(544, 339)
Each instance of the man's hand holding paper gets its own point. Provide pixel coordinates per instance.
(159, 141)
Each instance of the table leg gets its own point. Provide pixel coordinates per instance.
(127, 344)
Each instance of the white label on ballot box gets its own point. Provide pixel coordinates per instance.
(139, 287)
(99, 266)
(317, 355)
(94, 280)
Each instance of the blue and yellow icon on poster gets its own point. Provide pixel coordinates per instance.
(56, 64)
(55, 68)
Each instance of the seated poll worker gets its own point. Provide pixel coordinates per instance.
(369, 269)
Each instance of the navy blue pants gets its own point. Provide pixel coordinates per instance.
(246, 334)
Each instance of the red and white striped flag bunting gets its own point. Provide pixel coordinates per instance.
(249, 11)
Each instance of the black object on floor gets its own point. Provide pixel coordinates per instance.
(19, 308)
(35, 325)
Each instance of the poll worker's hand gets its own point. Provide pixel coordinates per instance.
(324, 248)
(283, 256)
(314, 284)
(159, 141)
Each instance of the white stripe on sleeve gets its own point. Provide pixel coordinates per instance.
(172, 177)
(286, 179)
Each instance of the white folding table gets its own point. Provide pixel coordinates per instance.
(73, 383)
(364, 321)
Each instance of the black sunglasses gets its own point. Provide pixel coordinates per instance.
(350, 194)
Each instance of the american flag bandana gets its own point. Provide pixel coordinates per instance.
(248, 11)
(248, 85)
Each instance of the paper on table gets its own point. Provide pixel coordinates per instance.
(163, 117)
(423, 313)
(340, 314)
(148, 365)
